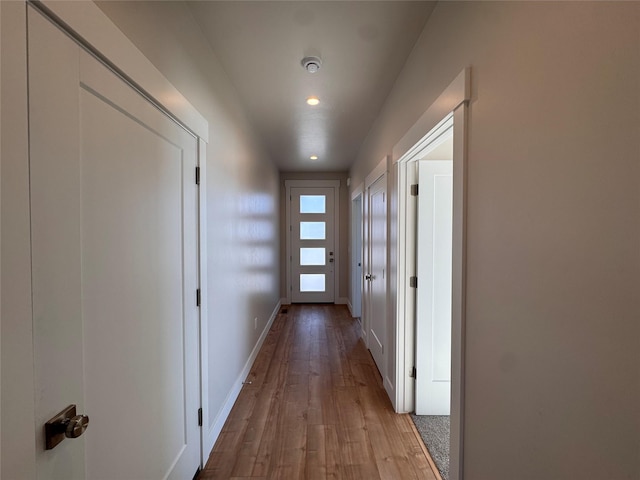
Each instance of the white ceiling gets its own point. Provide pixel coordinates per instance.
(363, 46)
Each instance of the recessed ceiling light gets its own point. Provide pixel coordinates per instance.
(313, 157)
(313, 101)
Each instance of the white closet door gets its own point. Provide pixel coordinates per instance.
(433, 308)
(376, 278)
(114, 246)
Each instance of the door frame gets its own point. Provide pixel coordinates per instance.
(357, 251)
(335, 184)
(407, 256)
(370, 179)
(93, 29)
(380, 170)
(452, 104)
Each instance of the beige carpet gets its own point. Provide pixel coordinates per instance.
(434, 431)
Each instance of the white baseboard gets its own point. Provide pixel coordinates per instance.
(388, 386)
(223, 413)
(342, 301)
(339, 301)
(350, 307)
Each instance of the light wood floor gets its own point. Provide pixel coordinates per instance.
(316, 409)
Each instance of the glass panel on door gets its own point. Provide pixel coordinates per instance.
(313, 204)
(312, 230)
(312, 256)
(312, 282)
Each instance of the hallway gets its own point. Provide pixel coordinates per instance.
(316, 409)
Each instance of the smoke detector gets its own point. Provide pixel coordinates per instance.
(311, 64)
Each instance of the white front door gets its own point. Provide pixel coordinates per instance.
(114, 250)
(377, 271)
(313, 255)
(433, 308)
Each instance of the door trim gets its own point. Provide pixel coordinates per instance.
(18, 393)
(451, 104)
(335, 184)
(356, 252)
(386, 360)
(92, 29)
(379, 171)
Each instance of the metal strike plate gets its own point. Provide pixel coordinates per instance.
(55, 428)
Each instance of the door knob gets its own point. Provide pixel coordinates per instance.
(368, 277)
(66, 424)
(76, 426)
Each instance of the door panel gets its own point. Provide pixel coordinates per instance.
(377, 243)
(433, 309)
(114, 268)
(312, 244)
(356, 256)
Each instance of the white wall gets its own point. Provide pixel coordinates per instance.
(553, 263)
(242, 189)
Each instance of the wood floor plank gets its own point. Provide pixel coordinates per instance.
(316, 409)
(351, 428)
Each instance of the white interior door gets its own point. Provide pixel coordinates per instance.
(377, 266)
(356, 256)
(313, 255)
(433, 309)
(114, 249)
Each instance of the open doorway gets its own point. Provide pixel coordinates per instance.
(433, 269)
(433, 254)
(428, 214)
(431, 356)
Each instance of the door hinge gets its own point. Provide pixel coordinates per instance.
(414, 190)
(198, 298)
(413, 373)
(413, 282)
(197, 175)
(200, 417)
